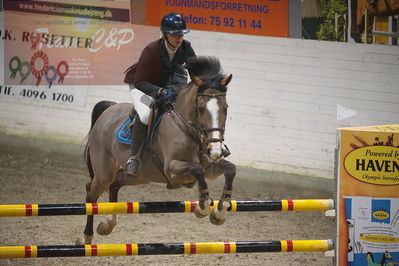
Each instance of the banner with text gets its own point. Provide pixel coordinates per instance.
(368, 168)
(48, 44)
(252, 17)
(373, 227)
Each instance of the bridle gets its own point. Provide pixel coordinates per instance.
(198, 134)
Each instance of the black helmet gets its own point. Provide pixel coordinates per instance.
(173, 23)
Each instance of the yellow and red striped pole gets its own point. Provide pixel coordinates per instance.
(166, 248)
(161, 207)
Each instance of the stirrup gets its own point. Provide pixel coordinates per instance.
(133, 166)
(133, 158)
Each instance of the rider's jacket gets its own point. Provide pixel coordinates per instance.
(154, 68)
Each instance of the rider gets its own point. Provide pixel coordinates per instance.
(155, 76)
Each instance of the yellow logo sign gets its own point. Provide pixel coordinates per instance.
(381, 215)
(374, 165)
(379, 238)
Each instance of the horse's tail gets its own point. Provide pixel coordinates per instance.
(98, 109)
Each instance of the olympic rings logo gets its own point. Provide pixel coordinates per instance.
(50, 72)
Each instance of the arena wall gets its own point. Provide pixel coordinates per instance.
(283, 99)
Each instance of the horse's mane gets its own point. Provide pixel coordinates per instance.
(209, 70)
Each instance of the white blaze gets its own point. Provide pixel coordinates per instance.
(213, 108)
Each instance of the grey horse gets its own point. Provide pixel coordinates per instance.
(187, 146)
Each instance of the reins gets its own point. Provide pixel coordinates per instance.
(196, 134)
(192, 131)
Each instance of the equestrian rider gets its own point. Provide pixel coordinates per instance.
(155, 76)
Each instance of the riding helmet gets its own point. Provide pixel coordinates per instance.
(173, 23)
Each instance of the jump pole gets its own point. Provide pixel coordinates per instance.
(186, 248)
(161, 207)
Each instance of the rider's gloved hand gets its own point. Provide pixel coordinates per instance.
(166, 95)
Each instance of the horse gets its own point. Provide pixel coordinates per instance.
(379, 8)
(186, 148)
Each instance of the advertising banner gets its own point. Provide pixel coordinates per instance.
(373, 226)
(88, 9)
(50, 45)
(251, 17)
(368, 195)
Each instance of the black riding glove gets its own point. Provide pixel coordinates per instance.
(166, 95)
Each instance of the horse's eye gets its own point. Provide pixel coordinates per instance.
(201, 101)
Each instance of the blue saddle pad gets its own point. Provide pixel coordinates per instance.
(124, 133)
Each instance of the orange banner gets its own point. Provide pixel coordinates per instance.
(252, 17)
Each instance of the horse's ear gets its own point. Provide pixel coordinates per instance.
(196, 80)
(224, 82)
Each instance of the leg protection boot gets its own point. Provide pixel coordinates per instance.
(139, 131)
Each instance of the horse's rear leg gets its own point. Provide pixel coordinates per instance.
(218, 214)
(106, 227)
(94, 191)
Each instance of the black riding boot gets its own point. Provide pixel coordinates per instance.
(139, 130)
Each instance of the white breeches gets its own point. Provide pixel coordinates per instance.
(142, 103)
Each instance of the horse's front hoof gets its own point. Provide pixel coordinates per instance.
(214, 220)
(199, 213)
(84, 240)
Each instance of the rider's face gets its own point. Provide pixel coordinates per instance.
(175, 40)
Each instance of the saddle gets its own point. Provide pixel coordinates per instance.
(124, 133)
